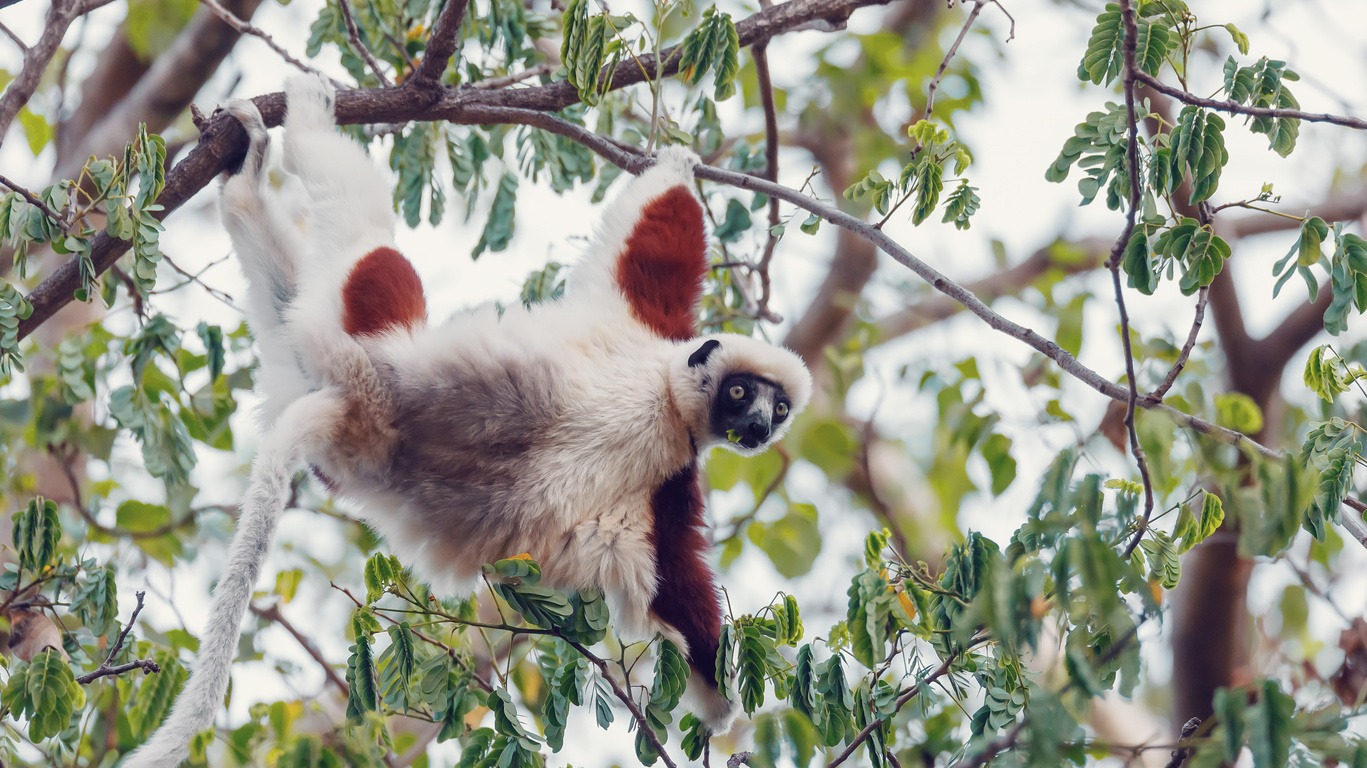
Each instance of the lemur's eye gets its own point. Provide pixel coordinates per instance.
(737, 392)
(781, 410)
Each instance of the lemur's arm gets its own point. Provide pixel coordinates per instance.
(651, 250)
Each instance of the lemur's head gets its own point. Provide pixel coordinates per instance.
(741, 393)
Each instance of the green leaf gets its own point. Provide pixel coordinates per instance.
(1323, 375)
(498, 229)
(96, 602)
(996, 450)
(37, 130)
(36, 533)
(792, 542)
(1239, 38)
(962, 203)
(1270, 727)
(929, 184)
(53, 695)
(362, 695)
(1238, 412)
(735, 224)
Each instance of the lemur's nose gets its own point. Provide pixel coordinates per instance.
(758, 431)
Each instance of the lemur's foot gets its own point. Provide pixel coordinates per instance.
(259, 140)
(678, 161)
(310, 103)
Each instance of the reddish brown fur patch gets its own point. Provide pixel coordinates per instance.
(686, 596)
(382, 291)
(661, 269)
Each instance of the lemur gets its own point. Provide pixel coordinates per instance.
(572, 430)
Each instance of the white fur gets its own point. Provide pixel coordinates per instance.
(630, 411)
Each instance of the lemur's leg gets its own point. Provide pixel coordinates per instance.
(268, 247)
(355, 282)
(650, 253)
(350, 206)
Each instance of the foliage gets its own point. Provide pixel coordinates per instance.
(920, 653)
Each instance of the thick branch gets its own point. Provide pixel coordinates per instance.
(223, 141)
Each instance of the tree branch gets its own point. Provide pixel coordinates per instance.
(354, 34)
(1233, 107)
(273, 614)
(106, 669)
(222, 141)
(442, 43)
(641, 722)
(934, 309)
(1130, 45)
(766, 97)
(1202, 296)
(37, 56)
(246, 28)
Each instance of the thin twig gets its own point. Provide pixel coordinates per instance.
(246, 28)
(641, 722)
(949, 54)
(354, 34)
(1117, 251)
(766, 94)
(1236, 108)
(902, 700)
(106, 669)
(1201, 298)
(494, 83)
(34, 201)
(273, 614)
(7, 32)
(450, 652)
(1011, 34)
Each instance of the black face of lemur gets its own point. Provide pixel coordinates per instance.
(747, 409)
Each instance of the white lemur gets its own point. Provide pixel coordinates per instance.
(571, 430)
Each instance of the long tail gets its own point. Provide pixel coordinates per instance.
(303, 424)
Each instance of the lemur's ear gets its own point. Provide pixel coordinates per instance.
(699, 357)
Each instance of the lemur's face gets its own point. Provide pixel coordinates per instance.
(748, 409)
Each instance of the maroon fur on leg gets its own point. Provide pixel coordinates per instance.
(661, 269)
(686, 597)
(382, 291)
